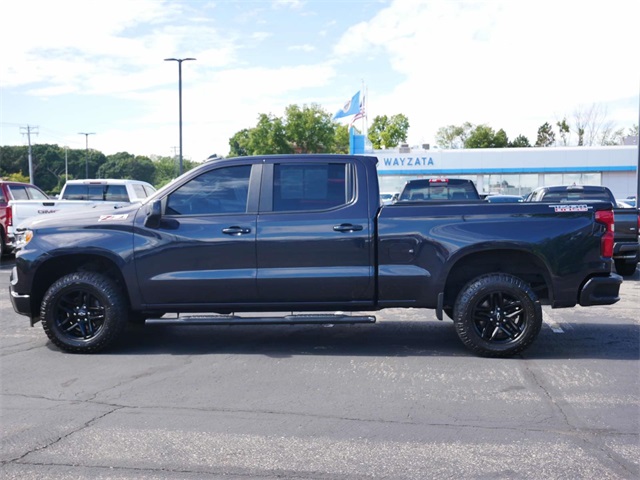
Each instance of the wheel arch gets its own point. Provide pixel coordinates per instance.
(523, 264)
(60, 265)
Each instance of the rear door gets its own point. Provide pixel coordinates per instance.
(314, 233)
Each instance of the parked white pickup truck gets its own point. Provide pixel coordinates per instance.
(82, 195)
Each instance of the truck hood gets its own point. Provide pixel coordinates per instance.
(92, 215)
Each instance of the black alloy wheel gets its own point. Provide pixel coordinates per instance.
(83, 312)
(497, 315)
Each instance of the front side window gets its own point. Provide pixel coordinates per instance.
(223, 190)
(311, 186)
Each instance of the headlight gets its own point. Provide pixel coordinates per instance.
(23, 236)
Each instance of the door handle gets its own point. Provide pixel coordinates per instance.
(236, 230)
(347, 227)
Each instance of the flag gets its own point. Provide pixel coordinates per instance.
(351, 107)
(358, 116)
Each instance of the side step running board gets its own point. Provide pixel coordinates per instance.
(286, 320)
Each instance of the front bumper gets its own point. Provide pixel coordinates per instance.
(21, 302)
(601, 290)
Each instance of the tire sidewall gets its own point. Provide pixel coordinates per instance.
(478, 289)
(109, 295)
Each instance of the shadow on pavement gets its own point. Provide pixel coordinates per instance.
(387, 338)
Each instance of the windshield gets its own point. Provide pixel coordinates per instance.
(425, 190)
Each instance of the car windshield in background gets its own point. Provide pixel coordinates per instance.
(568, 196)
(100, 192)
(435, 189)
(504, 199)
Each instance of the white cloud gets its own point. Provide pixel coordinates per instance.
(302, 48)
(498, 62)
(513, 65)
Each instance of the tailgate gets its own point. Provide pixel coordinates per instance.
(626, 224)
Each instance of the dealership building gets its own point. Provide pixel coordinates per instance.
(512, 170)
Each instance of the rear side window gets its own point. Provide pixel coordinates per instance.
(139, 190)
(19, 192)
(300, 187)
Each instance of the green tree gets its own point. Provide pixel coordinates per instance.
(388, 132)
(564, 131)
(519, 142)
(483, 136)
(453, 136)
(268, 137)
(546, 136)
(310, 129)
(341, 141)
(166, 169)
(127, 165)
(17, 177)
(239, 143)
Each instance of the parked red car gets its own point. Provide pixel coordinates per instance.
(13, 191)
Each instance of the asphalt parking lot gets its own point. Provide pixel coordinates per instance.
(401, 399)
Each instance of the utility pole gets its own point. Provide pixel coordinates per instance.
(66, 164)
(86, 162)
(28, 131)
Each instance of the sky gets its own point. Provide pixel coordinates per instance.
(98, 67)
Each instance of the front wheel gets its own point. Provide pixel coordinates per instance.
(83, 312)
(497, 315)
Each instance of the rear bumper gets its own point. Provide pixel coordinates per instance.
(601, 290)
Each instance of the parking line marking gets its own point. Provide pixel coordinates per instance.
(553, 325)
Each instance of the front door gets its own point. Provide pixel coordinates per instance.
(204, 252)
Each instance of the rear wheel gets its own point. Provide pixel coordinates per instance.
(83, 312)
(625, 269)
(497, 315)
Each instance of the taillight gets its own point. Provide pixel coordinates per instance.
(9, 216)
(606, 242)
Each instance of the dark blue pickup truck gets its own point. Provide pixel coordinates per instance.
(307, 233)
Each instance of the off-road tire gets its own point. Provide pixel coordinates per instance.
(83, 312)
(497, 315)
(625, 269)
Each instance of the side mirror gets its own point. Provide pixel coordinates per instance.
(154, 214)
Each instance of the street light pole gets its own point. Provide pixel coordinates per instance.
(179, 60)
(86, 161)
